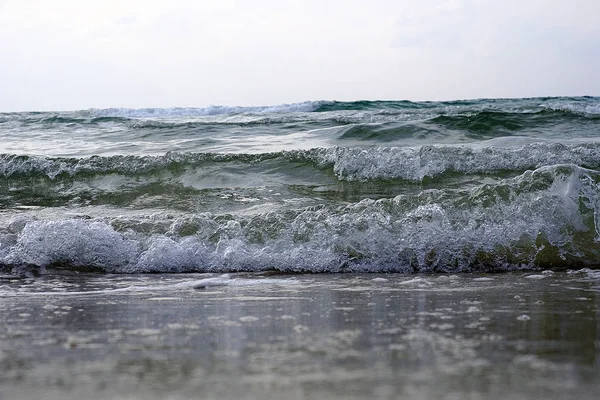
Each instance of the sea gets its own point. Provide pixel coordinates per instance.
(482, 185)
(317, 250)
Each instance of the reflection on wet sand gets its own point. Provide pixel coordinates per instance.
(513, 335)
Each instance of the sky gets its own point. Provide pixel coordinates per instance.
(79, 54)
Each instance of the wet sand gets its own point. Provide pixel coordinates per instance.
(252, 336)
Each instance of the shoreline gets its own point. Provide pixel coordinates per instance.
(517, 334)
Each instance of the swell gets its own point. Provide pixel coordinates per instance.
(12, 166)
(481, 125)
(494, 123)
(586, 106)
(367, 105)
(549, 217)
(482, 113)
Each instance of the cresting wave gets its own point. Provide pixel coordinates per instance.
(347, 163)
(549, 217)
(307, 106)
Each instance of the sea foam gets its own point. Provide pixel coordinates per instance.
(307, 106)
(542, 218)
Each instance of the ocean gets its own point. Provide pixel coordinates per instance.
(325, 249)
(366, 186)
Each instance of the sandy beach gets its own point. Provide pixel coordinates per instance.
(465, 336)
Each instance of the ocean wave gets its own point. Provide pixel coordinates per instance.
(53, 168)
(577, 105)
(419, 163)
(367, 120)
(503, 123)
(307, 106)
(347, 163)
(547, 218)
(586, 106)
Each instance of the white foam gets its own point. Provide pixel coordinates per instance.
(348, 163)
(415, 281)
(75, 243)
(416, 163)
(582, 108)
(193, 284)
(307, 106)
(535, 276)
(434, 231)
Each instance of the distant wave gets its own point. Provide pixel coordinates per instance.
(395, 127)
(579, 105)
(307, 106)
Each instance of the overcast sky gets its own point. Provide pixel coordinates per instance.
(77, 54)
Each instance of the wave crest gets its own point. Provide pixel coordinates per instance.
(307, 106)
(347, 163)
(548, 217)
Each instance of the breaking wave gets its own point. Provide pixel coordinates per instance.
(307, 106)
(548, 217)
(347, 163)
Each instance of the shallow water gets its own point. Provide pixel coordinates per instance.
(520, 335)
